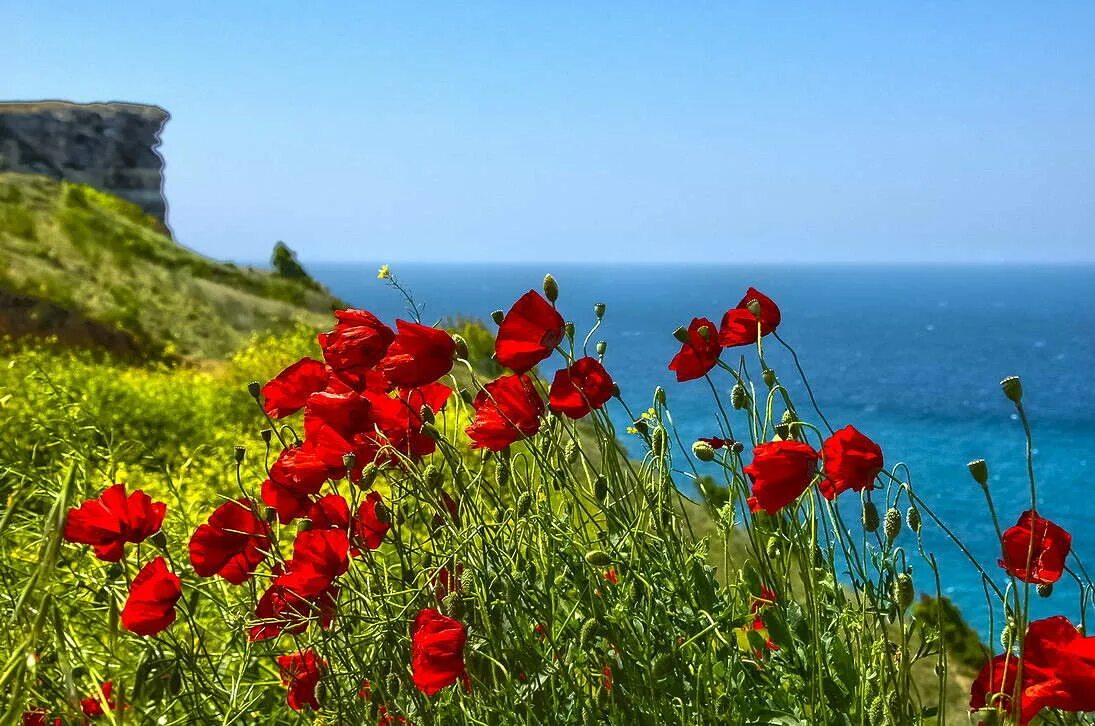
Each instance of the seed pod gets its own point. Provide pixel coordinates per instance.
(266, 435)
(600, 488)
(1045, 589)
(703, 451)
(739, 397)
(979, 470)
(769, 377)
(783, 431)
(788, 417)
(737, 447)
(753, 306)
(870, 516)
(912, 518)
(426, 414)
(524, 504)
(601, 348)
(598, 558)
(498, 316)
(1013, 388)
(903, 590)
(892, 525)
(599, 310)
(568, 330)
(241, 451)
(255, 389)
(551, 288)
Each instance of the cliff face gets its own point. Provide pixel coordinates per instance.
(109, 146)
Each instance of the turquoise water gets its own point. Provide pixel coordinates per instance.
(912, 356)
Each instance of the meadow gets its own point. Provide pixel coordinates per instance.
(395, 523)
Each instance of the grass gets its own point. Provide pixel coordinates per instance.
(92, 266)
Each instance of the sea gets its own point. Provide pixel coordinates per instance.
(911, 355)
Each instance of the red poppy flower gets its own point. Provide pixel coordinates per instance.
(298, 474)
(357, 343)
(581, 388)
(449, 511)
(611, 576)
(399, 419)
(372, 521)
(150, 606)
(287, 393)
(699, 354)
(92, 706)
(231, 544)
(437, 651)
(852, 461)
(739, 325)
(418, 355)
(38, 717)
(606, 677)
(280, 609)
(319, 556)
(300, 674)
(506, 410)
(529, 333)
(759, 602)
(781, 471)
(113, 519)
(1035, 549)
(339, 407)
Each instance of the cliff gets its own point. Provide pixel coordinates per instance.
(109, 146)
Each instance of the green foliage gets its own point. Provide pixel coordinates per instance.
(103, 259)
(285, 263)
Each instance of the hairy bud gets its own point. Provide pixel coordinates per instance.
(1013, 388)
(501, 472)
(903, 590)
(657, 442)
(600, 488)
(912, 518)
(588, 632)
(551, 288)
(979, 470)
(524, 504)
(368, 475)
(681, 334)
(703, 451)
(598, 558)
(870, 516)
(892, 525)
(739, 397)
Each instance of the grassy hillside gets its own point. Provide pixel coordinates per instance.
(93, 269)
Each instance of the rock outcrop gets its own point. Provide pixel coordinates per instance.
(110, 146)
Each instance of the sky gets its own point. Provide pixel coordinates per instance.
(598, 132)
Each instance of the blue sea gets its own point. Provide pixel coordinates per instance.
(911, 355)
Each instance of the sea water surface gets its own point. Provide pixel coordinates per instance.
(912, 356)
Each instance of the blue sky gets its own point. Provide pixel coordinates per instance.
(729, 132)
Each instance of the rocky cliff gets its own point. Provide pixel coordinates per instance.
(109, 146)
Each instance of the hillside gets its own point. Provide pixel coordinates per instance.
(94, 270)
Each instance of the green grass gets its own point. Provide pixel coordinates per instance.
(83, 255)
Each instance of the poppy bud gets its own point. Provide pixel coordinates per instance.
(466, 397)
(601, 348)
(391, 684)
(368, 475)
(681, 334)
(657, 442)
(433, 476)
(703, 451)
(753, 306)
(599, 310)
(240, 452)
(383, 514)
(461, 347)
(1007, 634)
(892, 526)
(659, 396)
(498, 316)
(600, 488)
(159, 540)
(1045, 589)
(1013, 388)
(598, 558)
(501, 473)
(568, 329)
(739, 397)
(769, 377)
(870, 516)
(878, 710)
(979, 470)
(524, 504)
(903, 590)
(348, 461)
(430, 430)
(426, 414)
(772, 548)
(588, 632)
(255, 389)
(453, 605)
(266, 434)
(912, 518)
(551, 288)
